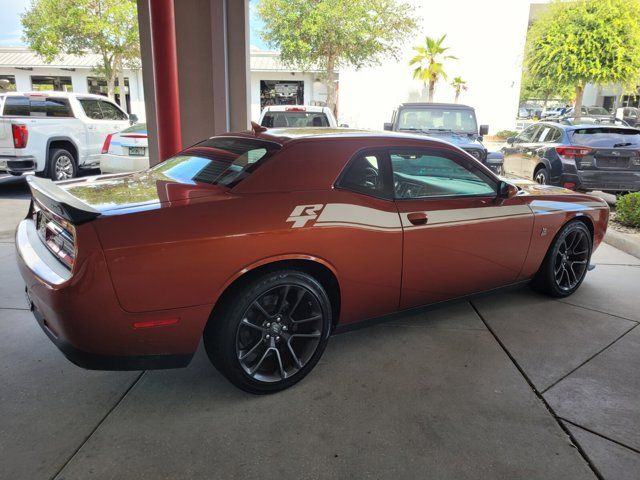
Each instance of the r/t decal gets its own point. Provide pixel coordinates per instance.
(303, 213)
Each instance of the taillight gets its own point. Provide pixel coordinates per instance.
(57, 234)
(106, 144)
(573, 152)
(20, 135)
(295, 109)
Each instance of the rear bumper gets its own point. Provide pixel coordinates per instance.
(17, 164)
(92, 361)
(81, 315)
(614, 180)
(122, 163)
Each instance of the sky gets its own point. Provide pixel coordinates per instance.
(11, 30)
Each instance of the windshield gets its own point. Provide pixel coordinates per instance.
(597, 111)
(441, 118)
(217, 161)
(608, 137)
(295, 119)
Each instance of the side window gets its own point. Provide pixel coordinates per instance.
(58, 107)
(91, 108)
(544, 132)
(554, 136)
(110, 111)
(364, 174)
(527, 135)
(422, 174)
(17, 105)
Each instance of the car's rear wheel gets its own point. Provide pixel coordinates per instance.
(271, 332)
(566, 262)
(541, 176)
(62, 164)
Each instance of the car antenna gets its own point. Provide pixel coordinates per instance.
(257, 129)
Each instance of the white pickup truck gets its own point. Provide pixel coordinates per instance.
(55, 133)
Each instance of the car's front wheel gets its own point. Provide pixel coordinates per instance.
(567, 261)
(271, 332)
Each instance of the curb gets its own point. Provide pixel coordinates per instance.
(627, 242)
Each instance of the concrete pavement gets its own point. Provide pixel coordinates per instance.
(484, 389)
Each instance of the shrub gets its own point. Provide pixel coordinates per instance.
(628, 209)
(504, 134)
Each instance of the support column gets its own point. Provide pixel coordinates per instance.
(238, 51)
(165, 73)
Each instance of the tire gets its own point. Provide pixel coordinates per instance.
(541, 176)
(62, 164)
(263, 344)
(566, 263)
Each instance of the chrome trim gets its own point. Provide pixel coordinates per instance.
(37, 257)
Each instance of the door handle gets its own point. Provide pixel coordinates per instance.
(418, 218)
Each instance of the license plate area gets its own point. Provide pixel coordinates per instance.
(137, 151)
(612, 162)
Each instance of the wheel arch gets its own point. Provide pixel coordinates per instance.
(588, 222)
(63, 142)
(319, 268)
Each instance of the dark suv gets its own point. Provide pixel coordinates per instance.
(451, 122)
(579, 157)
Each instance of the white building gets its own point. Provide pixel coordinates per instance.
(22, 70)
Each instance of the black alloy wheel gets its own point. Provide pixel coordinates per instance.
(272, 333)
(567, 261)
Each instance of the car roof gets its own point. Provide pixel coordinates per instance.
(283, 136)
(582, 126)
(284, 108)
(458, 106)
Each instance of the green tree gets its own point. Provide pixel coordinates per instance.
(544, 89)
(458, 85)
(585, 41)
(429, 63)
(330, 34)
(108, 28)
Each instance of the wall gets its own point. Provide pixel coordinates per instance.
(488, 38)
(79, 83)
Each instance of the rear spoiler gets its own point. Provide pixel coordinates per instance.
(59, 201)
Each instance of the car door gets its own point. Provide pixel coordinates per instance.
(459, 237)
(514, 153)
(94, 126)
(531, 151)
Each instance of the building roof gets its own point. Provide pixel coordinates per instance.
(27, 58)
(24, 57)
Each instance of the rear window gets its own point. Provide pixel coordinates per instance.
(295, 119)
(138, 128)
(217, 161)
(23, 106)
(605, 137)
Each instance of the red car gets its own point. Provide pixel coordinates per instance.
(264, 243)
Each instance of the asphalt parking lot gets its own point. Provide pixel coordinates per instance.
(513, 385)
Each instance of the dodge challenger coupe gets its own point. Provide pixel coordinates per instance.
(263, 243)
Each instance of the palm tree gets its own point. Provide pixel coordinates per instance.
(459, 85)
(429, 59)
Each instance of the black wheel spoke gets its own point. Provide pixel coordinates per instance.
(272, 347)
(571, 259)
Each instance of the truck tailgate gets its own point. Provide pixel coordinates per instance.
(6, 137)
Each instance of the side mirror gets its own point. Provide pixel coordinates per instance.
(133, 118)
(388, 126)
(511, 140)
(506, 190)
(344, 125)
(484, 130)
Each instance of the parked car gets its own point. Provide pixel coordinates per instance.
(452, 122)
(126, 151)
(280, 116)
(264, 243)
(631, 115)
(55, 133)
(553, 112)
(579, 157)
(524, 113)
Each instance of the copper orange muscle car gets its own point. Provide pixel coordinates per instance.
(264, 243)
